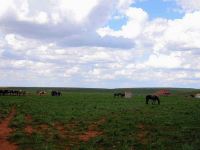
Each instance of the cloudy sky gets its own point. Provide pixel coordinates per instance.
(100, 43)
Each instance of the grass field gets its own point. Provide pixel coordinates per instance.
(92, 119)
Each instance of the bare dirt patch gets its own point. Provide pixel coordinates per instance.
(93, 131)
(28, 129)
(28, 118)
(42, 127)
(89, 134)
(62, 131)
(71, 133)
(142, 134)
(5, 132)
(65, 131)
(68, 131)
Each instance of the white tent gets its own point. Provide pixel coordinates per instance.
(128, 94)
(197, 95)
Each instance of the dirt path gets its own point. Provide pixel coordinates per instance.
(5, 132)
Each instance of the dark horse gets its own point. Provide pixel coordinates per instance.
(154, 98)
(56, 93)
(12, 93)
(119, 95)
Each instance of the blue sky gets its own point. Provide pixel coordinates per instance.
(158, 8)
(93, 43)
(154, 8)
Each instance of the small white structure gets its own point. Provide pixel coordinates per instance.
(128, 94)
(197, 95)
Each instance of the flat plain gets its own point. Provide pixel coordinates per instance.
(93, 119)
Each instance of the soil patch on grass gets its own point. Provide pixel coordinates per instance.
(28, 129)
(5, 132)
(68, 131)
(142, 134)
(28, 118)
(93, 131)
(66, 134)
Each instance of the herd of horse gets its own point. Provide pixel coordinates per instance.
(12, 92)
(152, 98)
(53, 93)
(8, 92)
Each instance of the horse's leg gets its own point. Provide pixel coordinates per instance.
(158, 101)
(147, 100)
(154, 101)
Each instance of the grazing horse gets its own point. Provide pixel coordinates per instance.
(42, 93)
(21, 93)
(119, 95)
(1, 92)
(56, 93)
(154, 98)
(12, 93)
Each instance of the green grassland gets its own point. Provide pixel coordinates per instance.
(128, 123)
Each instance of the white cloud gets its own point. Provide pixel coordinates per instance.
(124, 4)
(164, 61)
(65, 22)
(19, 43)
(28, 10)
(71, 71)
(42, 18)
(79, 9)
(13, 41)
(132, 29)
(57, 41)
(185, 31)
(5, 6)
(189, 5)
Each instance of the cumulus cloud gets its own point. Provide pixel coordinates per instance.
(164, 61)
(189, 6)
(48, 11)
(172, 44)
(61, 43)
(132, 29)
(65, 21)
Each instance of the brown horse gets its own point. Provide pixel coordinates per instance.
(42, 93)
